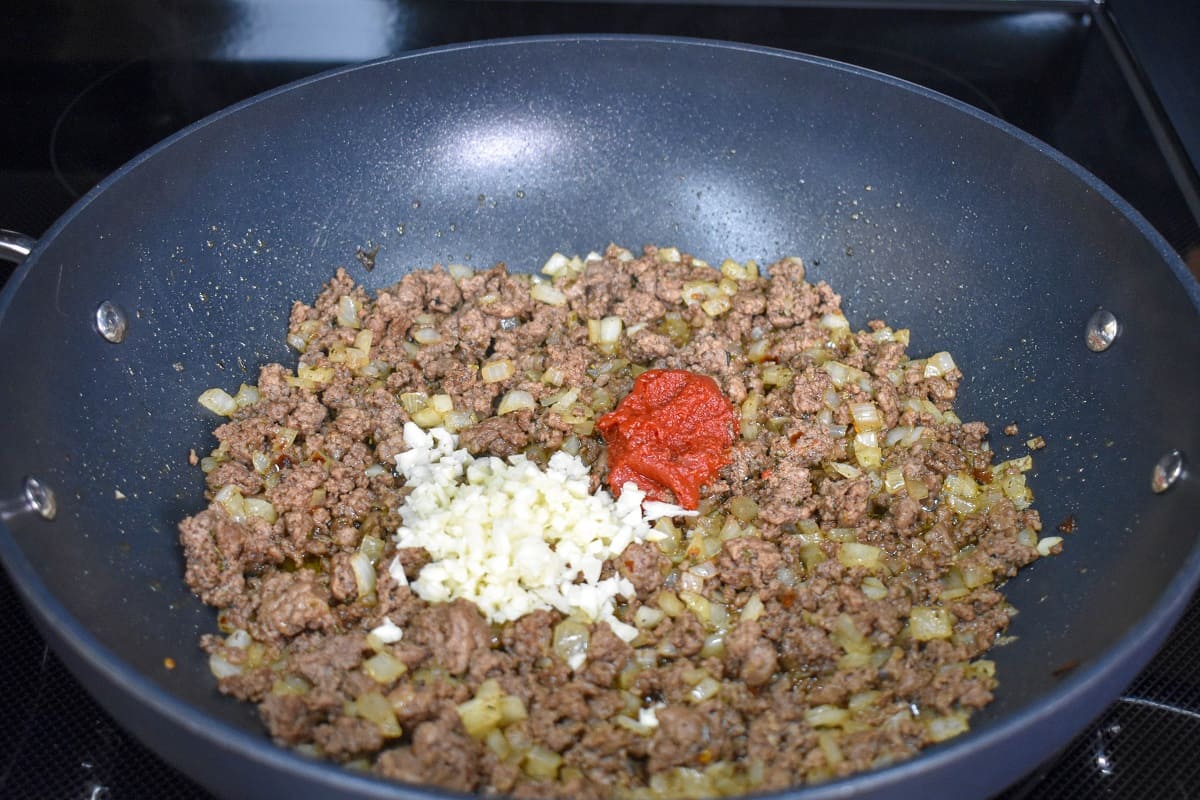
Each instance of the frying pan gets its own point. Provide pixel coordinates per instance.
(916, 208)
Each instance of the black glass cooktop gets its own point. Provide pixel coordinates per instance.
(89, 85)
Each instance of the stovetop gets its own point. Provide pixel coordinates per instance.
(89, 85)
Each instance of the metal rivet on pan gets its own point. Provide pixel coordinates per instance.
(1102, 330)
(111, 322)
(35, 497)
(1167, 471)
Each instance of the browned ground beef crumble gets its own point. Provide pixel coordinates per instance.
(819, 666)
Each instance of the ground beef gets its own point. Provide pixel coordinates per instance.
(683, 735)
(747, 562)
(440, 754)
(500, 436)
(752, 656)
(453, 632)
(646, 567)
(749, 623)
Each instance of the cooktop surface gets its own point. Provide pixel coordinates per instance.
(91, 85)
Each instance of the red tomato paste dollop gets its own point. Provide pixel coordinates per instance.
(673, 431)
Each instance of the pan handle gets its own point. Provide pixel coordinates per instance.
(15, 246)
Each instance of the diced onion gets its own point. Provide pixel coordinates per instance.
(883, 335)
(516, 400)
(840, 373)
(716, 306)
(826, 716)
(347, 314)
(496, 371)
(867, 451)
(570, 642)
(866, 417)
(734, 270)
(939, 364)
(916, 489)
(753, 609)
(835, 322)
(548, 294)
(874, 588)
(706, 688)
(634, 725)
(427, 417)
(374, 707)
(542, 763)
(426, 335)
(455, 421)
(961, 484)
(698, 605)
(670, 603)
(414, 401)
(222, 667)
(309, 377)
(744, 508)
(903, 435)
(698, 291)
(364, 573)
(261, 462)
(829, 747)
(669, 255)
(976, 575)
(690, 583)
(247, 396)
(229, 497)
(845, 470)
(218, 401)
(758, 350)
(290, 685)
(354, 358)
(960, 505)
(646, 617)
(561, 402)
(556, 265)
(926, 623)
(854, 554)
(863, 701)
(257, 507)
(605, 333)
(943, 728)
(384, 667)
(239, 639)
(373, 547)
(1046, 545)
(775, 375)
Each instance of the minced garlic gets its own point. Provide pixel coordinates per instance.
(512, 538)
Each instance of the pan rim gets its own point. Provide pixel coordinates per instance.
(1129, 655)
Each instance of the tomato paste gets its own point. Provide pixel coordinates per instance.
(672, 432)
